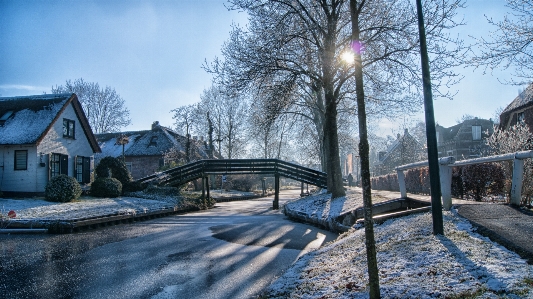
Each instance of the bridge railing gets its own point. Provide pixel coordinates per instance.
(182, 174)
(445, 173)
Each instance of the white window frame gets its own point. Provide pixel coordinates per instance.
(476, 132)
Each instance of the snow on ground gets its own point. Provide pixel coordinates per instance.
(85, 207)
(412, 262)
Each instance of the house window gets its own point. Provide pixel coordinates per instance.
(68, 128)
(476, 132)
(82, 169)
(21, 160)
(520, 117)
(58, 165)
(153, 141)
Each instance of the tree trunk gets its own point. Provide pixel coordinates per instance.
(210, 134)
(331, 138)
(364, 153)
(331, 148)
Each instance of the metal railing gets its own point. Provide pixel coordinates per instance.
(445, 173)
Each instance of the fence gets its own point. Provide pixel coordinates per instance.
(445, 172)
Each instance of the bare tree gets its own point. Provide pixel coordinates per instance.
(185, 121)
(210, 111)
(104, 107)
(296, 46)
(513, 139)
(223, 113)
(511, 43)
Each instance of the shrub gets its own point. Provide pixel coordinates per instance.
(483, 179)
(243, 182)
(133, 186)
(62, 188)
(106, 187)
(116, 166)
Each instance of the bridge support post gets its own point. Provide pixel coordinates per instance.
(275, 205)
(203, 188)
(302, 193)
(207, 186)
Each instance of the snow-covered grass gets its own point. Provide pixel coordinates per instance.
(85, 207)
(412, 262)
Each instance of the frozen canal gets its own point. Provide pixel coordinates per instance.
(231, 251)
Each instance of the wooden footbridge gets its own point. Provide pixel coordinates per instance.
(203, 168)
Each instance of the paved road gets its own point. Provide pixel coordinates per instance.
(231, 251)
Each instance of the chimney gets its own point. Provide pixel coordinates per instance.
(155, 125)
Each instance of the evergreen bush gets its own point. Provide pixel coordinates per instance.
(106, 187)
(115, 168)
(62, 188)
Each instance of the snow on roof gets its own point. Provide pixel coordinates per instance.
(31, 116)
(109, 146)
(524, 98)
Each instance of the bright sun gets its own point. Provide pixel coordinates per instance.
(347, 56)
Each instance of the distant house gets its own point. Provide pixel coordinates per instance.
(41, 137)
(465, 140)
(519, 110)
(145, 151)
(404, 150)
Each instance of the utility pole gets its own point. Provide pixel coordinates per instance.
(433, 155)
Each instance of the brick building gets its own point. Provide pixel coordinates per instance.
(465, 140)
(145, 150)
(519, 110)
(404, 150)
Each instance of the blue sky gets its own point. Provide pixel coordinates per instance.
(151, 52)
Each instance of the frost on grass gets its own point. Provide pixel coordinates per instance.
(36, 209)
(412, 262)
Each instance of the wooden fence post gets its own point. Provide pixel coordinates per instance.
(446, 186)
(516, 186)
(401, 182)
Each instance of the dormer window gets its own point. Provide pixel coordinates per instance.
(5, 117)
(476, 132)
(68, 128)
(153, 141)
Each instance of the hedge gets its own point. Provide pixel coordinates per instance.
(473, 181)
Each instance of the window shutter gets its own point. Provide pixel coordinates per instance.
(49, 166)
(86, 169)
(64, 165)
(75, 166)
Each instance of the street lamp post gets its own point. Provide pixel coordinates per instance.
(433, 159)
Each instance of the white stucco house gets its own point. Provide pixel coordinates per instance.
(43, 136)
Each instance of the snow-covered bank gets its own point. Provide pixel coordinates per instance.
(412, 262)
(40, 209)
